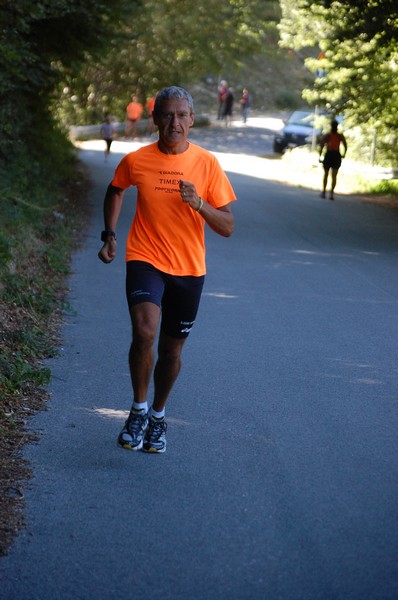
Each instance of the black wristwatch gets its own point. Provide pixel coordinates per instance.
(107, 233)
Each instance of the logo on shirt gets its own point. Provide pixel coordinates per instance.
(166, 182)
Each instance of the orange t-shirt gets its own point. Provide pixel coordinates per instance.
(134, 110)
(165, 231)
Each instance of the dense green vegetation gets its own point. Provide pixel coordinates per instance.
(358, 73)
(160, 43)
(68, 61)
(39, 41)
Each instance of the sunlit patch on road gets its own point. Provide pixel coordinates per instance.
(218, 295)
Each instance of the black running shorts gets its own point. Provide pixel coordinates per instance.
(332, 160)
(178, 297)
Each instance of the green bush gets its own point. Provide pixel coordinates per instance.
(385, 187)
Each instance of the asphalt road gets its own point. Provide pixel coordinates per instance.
(280, 478)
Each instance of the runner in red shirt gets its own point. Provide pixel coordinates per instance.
(332, 159)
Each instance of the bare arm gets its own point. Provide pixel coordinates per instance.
(344, 142)
(221, 220)
(112, 205)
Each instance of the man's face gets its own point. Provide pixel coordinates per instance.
(174, 120)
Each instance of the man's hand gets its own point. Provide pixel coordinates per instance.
(189, 194)
(108, 251)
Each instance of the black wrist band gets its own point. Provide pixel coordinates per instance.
(107, 233)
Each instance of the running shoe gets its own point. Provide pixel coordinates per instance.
(132, 435)
(155, 437)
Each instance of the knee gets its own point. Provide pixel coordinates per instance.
(144, 325)
(144, 335)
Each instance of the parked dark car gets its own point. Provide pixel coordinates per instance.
(297, 131)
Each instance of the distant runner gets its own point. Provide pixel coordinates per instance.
(332, 159)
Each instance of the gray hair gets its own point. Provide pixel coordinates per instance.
(172, 92)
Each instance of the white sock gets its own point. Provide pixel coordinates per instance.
(140, 406)
(157, 415)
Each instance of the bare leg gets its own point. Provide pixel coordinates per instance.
(325, 179)
(167, 368)
(334, 180)
(145, 319)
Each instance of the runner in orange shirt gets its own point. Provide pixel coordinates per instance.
(134, 112)
(180, 188)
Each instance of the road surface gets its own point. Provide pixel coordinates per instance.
(280, 478)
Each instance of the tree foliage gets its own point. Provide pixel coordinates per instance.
(39, 40)
(167, 42)
(73, 58)
(357, 75)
